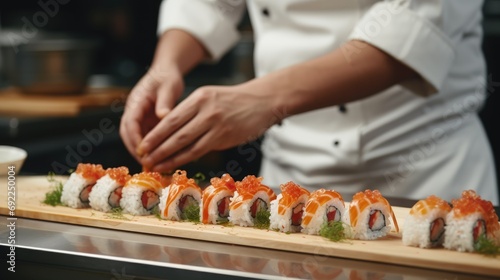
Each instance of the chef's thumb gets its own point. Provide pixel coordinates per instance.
(167, 94)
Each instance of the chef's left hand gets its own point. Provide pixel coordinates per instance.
(211, 118)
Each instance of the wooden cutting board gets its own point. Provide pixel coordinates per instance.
(30, 191)
(17, 104)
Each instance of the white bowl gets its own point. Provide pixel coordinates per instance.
(11, 156)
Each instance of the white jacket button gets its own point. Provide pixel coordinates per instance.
(265, 12)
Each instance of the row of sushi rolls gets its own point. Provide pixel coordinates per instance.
(431, 222)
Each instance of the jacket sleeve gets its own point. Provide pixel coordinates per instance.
(414, 32)
(212, 22)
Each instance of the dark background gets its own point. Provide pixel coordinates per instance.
(126, 31)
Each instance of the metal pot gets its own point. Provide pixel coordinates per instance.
(52, 64)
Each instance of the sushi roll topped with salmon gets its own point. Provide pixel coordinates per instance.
(142, 193)
(181, 200)
(369, 215)
(470, 219)
(77, 189)
(250, 200)
(287, 209)
(215, 200)
(107, 192)
(425, 225)
(323, 206)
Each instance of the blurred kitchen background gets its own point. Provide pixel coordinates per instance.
(108, 45)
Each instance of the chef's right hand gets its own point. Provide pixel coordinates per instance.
(149, 101)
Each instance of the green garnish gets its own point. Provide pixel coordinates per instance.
(199, 178)
(192, 213)
(226, 224)
(486, 246)
(262, 219)
(334, 231)
(53, 197)
(117, 213)
(156, 212)
(222, 221)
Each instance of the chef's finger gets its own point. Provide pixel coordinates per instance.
(184, 137)
(177, 118)
(138, 103)
(184, 156)
(167, 95)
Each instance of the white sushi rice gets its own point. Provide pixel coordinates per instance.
(320, 218)
(283, 223)
(242, 216)
(174, 213)
(362, 230)
(213, 209)
(99, 195)
(458, 235)
(416, 229)
(71, 190)
(131, 201)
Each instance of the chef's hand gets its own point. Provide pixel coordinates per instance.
(211, 118)
(149, 101)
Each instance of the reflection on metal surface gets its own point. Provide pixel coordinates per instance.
(322, 272)
(181, 256)
(186, 255)
(217, 260)
(248, 264)
(357, 274)
(291, 269)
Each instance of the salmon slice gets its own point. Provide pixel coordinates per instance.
(247, 189)
(225, 184)
(317, 199)
(152, 181)
(290, 194)
(362, 200)
(425, 206)
(180, 183)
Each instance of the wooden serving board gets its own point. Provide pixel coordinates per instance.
(31, 191)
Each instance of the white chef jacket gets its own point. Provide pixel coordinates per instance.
(412, 140)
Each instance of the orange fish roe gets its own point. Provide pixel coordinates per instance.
(226, 181)
(180, 178)
(90, 171)
(248, 188)
(150, 180)
(249, 185)
(292, 191)
(119, 174)
(422, 207)
(470, 203)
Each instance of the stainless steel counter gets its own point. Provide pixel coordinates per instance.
(48, 250)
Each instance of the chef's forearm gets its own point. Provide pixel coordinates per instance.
(177, 49)
(332, 79)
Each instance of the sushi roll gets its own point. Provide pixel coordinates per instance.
(425, 225)
(368, 215)
(142, 193)
(76, 190)
(250, 198)
(215, 200)
(470, 218)
(181, 200)
(107, 192)
(323, 206)
(288, 207)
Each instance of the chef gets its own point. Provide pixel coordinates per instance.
(350, 94)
